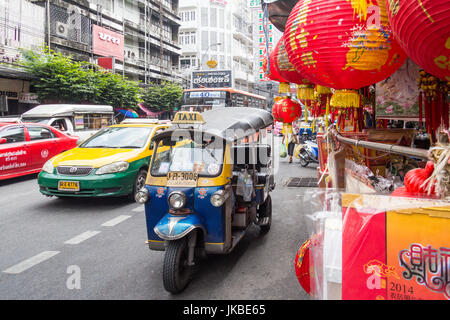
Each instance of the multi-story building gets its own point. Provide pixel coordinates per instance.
(22, 26)
(141, 35)
(221, 32)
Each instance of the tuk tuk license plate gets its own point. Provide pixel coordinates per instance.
(182, 179)
(69, 186)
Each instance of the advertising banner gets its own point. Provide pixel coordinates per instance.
(397, 97)
(212, 79)
(107, 43)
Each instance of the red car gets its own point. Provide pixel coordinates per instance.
(25, 147)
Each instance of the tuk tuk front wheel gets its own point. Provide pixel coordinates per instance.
(265, 215)
(176, 272)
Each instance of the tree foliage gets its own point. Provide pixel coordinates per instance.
(59, 78)
(164, 97)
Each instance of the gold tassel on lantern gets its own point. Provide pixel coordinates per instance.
(345, 99)
(284, 88)
(322, 90)
(305, 91)
(327, 112)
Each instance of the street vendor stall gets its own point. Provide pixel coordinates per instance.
(379, 77)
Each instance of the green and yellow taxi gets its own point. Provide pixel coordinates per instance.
(113, 162)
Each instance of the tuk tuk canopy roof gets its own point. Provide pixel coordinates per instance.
(62, 110)
(229, 123)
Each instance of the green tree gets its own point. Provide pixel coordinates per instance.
(164, 97)
(59, 78)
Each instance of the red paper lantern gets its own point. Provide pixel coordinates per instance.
(422, 28)
(284, 67)
(273, 73)
(286, 110)
(342, 44)
(302, 267)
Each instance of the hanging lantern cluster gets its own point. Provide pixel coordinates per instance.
(422, 29)
(356, 49)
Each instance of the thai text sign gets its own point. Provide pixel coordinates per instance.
(107, 43)
(211, 79)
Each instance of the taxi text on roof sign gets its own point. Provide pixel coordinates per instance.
(185, 117)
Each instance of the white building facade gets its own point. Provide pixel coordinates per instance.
(221, 32)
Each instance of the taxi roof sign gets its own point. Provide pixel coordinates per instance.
(186, 117)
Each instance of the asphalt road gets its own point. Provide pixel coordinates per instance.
(96, 249)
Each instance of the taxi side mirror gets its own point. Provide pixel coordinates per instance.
(2, 140)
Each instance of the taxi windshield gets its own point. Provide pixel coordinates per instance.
(119, 137)
(188, 156)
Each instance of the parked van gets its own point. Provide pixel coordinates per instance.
(74, 119)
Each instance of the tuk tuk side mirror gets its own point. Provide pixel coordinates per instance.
(2, 140)
(152, 145)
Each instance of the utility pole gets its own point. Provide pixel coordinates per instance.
(48, 24)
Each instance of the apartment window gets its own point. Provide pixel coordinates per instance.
(213, 17)
(187, 15)
(205, 40)
(188, 37)
(205, 17)
(221, 18)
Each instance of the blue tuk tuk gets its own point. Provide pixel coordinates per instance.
(209, 181)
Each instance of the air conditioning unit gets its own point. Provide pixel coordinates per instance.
(62, 29)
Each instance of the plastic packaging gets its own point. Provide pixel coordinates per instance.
(374, 247)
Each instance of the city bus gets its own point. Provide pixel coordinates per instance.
(203, 99)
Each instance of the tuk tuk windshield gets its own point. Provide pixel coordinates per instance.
(188, 156)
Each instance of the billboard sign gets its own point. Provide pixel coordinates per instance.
(107, 43)
(212, 79)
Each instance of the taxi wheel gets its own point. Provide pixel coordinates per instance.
(265, 211)
(139, 183)
(176, 272)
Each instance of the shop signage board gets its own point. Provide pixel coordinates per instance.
(107, 43)
(212, 79)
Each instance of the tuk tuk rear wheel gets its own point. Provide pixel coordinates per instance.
(265, 211)
(176, 272)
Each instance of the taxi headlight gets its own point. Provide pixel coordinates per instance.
(177, 200)
(219, 197)
(113, 167)
(141, 196)
(48, 167)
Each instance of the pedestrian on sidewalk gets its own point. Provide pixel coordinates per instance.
(290, 135)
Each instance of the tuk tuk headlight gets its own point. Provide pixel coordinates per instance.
(48, 167)
(141, 196)
(219, 197)
(177, 200)
(113, 167)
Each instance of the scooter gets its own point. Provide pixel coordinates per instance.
(309, 152)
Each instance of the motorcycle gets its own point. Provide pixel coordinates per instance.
(309, 152)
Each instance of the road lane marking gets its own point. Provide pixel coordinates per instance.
(139, 209)
(27, 264)
(81, 237)
(115, 221)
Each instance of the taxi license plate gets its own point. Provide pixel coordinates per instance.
(68, 186)
(182, 179)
